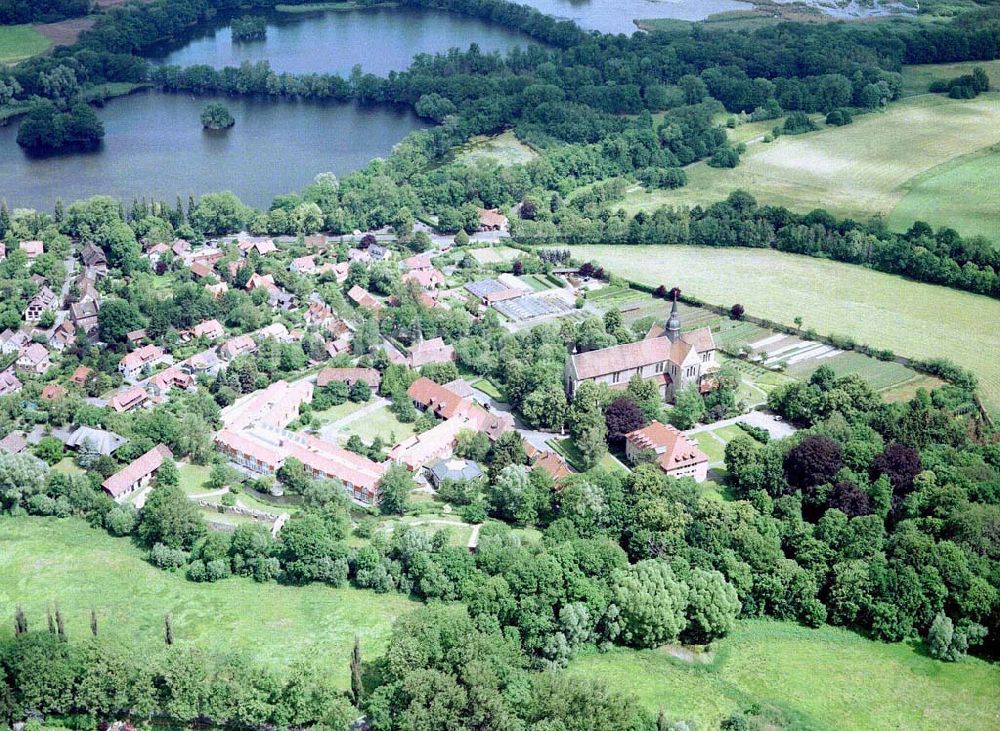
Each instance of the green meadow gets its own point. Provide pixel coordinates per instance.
(825, 679)
(47, 560)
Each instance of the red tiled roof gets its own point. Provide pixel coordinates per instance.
(349, 376)
(119, 483)
(430, 351)
(674, 450)
(128, 399)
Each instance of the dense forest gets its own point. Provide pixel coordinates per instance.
(41, 11)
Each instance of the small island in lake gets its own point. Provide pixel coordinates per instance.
(249, 28)
(48, 128)
(216, 116)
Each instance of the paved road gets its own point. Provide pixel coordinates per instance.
(765, 420)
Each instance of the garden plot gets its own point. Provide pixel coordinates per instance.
(777, 351)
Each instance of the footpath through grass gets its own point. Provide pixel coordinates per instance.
(18, 42)
(44, 560)
(824, 679)
(911, 318)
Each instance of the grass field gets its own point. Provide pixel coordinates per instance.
(18, 42)
(911, 318)
(860, 170)
(825, 679)
(917, 79)
(43, 560)
(963, 193)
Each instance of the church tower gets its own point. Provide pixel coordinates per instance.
(673, 332)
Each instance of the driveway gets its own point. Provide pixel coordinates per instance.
(772, 423)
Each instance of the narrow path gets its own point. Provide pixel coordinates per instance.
(474, 538)
(213, 493)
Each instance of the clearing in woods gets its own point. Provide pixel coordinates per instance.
(858, 170)
(911, 318)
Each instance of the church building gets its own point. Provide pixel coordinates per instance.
(674, 360)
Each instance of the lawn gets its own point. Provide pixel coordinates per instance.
(193, 478)
(711, 446)
(495, 254)
(337, 412)
(18, 42)
(68, 465)
(858, 170)
(825, 679)
(382, 423)
(43, 560)
(486, 386)
(880, 374)
(911, 318)
(574, 458)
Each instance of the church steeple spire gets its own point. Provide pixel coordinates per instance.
(674, 321)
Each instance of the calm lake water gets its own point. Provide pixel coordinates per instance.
(617, 16)
(379, 39)
(155, 146)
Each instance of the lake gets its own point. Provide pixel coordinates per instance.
(380, 40)
(617, 16)
(155, 146)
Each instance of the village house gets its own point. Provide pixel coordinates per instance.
(303, 264)
(13, 341)
(129, 399)
(160, 384)
(340, 271)
(45, 300)
(672, 359)
(135, 337)
(262, 244)
(204, 363)
(201, 271)
(62, 335)
(418, 262)
(34, 359)
(132, 364)
(94, 260)
(100, 440)
(32, 249)
(3, 251)
(490, 291)
(362, 298)
(444, 403)
(9, 382)
(155, 253)
(235, 347)
(425, 278)
(84, 289)
(84, 315)
(257, 281)
(209, 329)
(553, 464)
(207, 256)
(675, 453)
(53, 391)
(13, 443)
(490, 219)
(80, 375)
(425, 352)
(217, 290)
(137, 474)
(180, 247)
(349, 376)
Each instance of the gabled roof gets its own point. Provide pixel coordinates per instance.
(128, 399)
(120, 482)
(674, 450)
(434, 350)
(348, 375)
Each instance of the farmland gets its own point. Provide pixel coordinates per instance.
(911, 318)
(43, 560)
(860, 171)
(826, 678)
(916, 79)
(18, 42)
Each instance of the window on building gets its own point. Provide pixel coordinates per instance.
(615, 377)
(659, 367)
